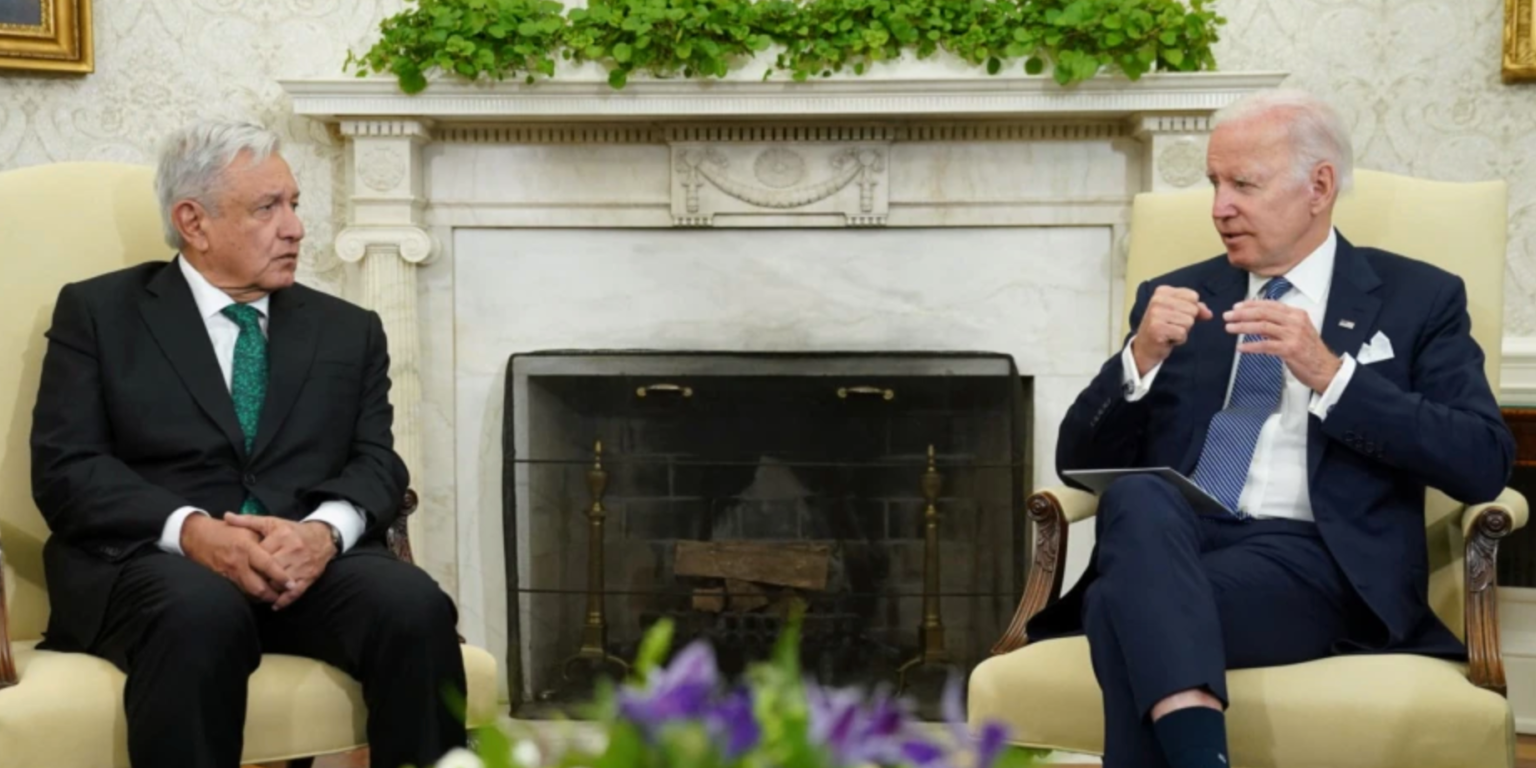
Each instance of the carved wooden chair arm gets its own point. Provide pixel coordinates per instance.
(398, 537)
(7, 661)
(1483, 525)
(1052, 510)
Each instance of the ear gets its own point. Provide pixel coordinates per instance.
(1324, 187)
(190, 218)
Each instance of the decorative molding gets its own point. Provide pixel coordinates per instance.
(580, 99)
(1182, 162)
(1517, 377)
(414, 245)
(381, 168)
(1151, 124)
(420, 130)
(550, 134)
(784, 178)
(1064, 129)
(782, 133)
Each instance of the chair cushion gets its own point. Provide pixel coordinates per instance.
(1342, 712)
(68, 709)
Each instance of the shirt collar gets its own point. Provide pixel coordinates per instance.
(1311, 276)
(210, 300)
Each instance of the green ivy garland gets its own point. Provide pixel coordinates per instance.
(707, 38)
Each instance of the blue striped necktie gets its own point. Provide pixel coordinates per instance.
(1234, 431)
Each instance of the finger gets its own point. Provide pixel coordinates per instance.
(1175, 292)
(1205, 312)
(1172, 334)
(257, 523)
(1269, 309)
(252, 584)
(1262, 347)
(291, 596)
(1261, 328)
(275, 544)
(264, 564)
(1180, 320)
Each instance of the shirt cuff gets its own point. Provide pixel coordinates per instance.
(345, 517)
(1322, 404)
(170, 535)
(1136, 385)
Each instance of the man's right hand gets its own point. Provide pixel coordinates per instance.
(236, 554)
(1170, 313)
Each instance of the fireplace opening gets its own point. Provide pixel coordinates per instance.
(724, 490)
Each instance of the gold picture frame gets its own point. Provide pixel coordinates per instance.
(1519, 41)
(46, 36)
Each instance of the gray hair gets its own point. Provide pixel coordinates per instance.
(192, 163)
(1318, 134)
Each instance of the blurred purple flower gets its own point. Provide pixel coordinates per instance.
(984, 746)
(688, 689)
(681, 690)
(734, 723)
(859, 731)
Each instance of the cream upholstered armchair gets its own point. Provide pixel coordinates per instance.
(62, 223)
(1345, 712)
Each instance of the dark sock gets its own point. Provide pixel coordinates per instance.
(1194, 737)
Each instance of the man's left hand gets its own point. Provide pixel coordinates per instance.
(303, 549)
(1289, 335)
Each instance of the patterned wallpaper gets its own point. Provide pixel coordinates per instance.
(1418, 82)
(1417, 79)
(160, 63)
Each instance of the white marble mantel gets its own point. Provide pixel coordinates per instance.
(490, 219)
(931, 96)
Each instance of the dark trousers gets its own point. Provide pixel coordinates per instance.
(1181, 598)
(188, 640)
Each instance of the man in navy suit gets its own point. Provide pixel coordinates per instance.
(1314, 388)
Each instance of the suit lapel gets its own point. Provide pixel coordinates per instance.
(182, 334)
(1348, 322)
(1213, 350)
(291, 341)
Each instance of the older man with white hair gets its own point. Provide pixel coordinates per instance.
(212, 450)
(1312, 389)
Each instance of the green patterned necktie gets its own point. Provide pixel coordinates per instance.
(248, 382)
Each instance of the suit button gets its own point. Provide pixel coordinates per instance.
(111, 551)
(250, 479)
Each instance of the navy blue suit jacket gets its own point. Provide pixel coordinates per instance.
(1425, 417)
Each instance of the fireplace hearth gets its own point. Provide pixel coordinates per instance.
(879, 494)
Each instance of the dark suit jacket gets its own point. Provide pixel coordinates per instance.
(134, 420)
(1424, 417)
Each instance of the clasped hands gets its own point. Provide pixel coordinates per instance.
(271, 559)
(1288, 333)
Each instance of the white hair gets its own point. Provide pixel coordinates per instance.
(1318, 134)
(192, 163)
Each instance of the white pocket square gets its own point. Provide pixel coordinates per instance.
(1379, 348)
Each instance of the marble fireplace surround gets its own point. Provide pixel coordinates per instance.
(458, 196)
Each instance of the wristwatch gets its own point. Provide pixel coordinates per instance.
(335, 535)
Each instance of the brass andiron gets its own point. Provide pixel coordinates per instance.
(594, 633)
(930, 635)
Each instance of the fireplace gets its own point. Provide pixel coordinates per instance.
(491, 219)
(725, 490)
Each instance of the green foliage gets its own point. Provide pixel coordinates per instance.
(707, 38)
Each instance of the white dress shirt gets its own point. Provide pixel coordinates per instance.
(1277, 478)
(223, 332)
